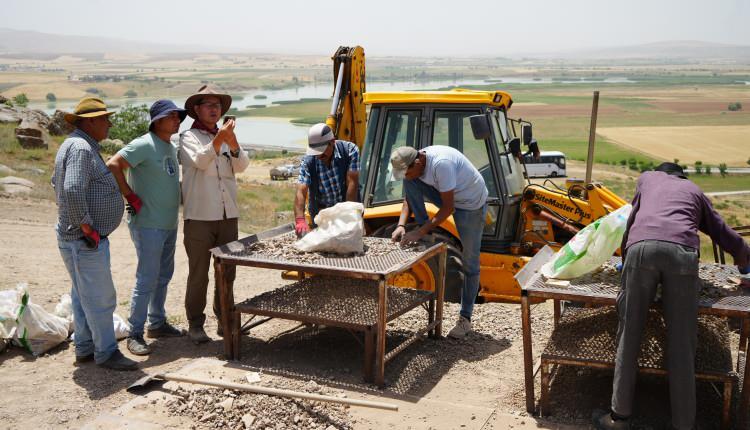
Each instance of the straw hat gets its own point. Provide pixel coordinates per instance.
(88, 107)
(224, 99)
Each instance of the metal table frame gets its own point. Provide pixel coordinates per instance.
(598, 294)
(223, 256)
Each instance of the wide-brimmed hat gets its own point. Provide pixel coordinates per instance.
(401, 159)
(162, 108)
(88, 107)
(318, 138)
(204, 91)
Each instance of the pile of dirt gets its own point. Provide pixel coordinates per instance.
(215, 408)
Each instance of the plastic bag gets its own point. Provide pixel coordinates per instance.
(122, 328)
(340, 230)
(8, 310)
(64, 309)
(590, 247)
(38, 330)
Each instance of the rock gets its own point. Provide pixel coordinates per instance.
(248, 420)
(5, 170)
(16, 186)
(3, 99)
(31, 135)
(227, 404)
(58, 126)
(207, 416)
(32, 170)
(8, 115)
(34, 116)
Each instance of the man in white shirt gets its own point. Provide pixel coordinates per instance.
(210, 157)
(447, 178)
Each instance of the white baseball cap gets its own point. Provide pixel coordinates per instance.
(318, 137)
(401, 159)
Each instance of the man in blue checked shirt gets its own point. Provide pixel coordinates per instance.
(329, 173)
(89, 209)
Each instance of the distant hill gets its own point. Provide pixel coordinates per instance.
(674, 50)
(34, 42)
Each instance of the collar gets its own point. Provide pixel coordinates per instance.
(83, 135)
(200, 126)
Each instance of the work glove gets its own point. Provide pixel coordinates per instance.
(92, 239)
(301, 227)
(134, 203)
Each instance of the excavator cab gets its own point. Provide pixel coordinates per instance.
(473, 122)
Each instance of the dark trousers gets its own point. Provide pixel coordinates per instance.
(199, 238)
(649, 264)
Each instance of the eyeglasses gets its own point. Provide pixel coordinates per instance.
(211, 105)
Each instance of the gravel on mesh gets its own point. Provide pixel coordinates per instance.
(215, 408)
(282, 247)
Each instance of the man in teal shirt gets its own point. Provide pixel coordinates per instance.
(152, 191)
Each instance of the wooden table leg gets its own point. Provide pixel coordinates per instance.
(528, 364)
(226, 301)
(367, 369)
(442, 258)
(557, 312)
(236, 334)
(727, 407)
(745, 400)
(380, 335)
(544, 395)
(744, 333)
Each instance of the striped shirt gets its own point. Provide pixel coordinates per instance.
(85, 189)
(330, 184)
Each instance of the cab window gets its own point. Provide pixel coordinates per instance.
(401, 129)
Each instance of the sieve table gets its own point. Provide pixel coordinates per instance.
(307, 300)
(601, 288)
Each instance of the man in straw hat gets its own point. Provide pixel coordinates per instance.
(89, 209)
(153, 195)
(329, 172)
(210, 158)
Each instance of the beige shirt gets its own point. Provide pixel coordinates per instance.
(209, 188)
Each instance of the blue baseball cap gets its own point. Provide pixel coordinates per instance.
(162, 108)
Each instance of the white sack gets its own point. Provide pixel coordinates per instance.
(340, 230)
(38, 330)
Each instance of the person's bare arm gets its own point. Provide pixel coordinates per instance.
(117, 165)
(352, 184)
(299, 200)
(446, 210)
(400, 229)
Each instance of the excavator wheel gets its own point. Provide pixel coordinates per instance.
(422, 277)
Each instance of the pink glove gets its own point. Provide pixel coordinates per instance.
(300, 226)
(134, 203)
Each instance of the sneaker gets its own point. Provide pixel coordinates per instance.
(117, 361)
(166, 330)
(462, 328)
(197, 335)
(603, 421)
(138, 346)
(80, 359)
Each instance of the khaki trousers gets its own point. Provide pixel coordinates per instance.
(199, 238)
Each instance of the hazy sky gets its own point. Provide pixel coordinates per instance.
(391, 27)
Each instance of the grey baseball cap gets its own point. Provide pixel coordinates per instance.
(401, 159)
(318, 137)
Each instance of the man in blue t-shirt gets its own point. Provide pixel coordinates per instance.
(447, 178)
(152, 191)
(329, 173)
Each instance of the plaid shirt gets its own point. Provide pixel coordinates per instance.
(85, 189)
(330, 183)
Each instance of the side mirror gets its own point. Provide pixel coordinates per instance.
(480, 126)
(514, 147)
(526, 134)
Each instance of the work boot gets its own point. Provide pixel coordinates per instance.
(603, 420)
(462, 328)
(197, 335)
(80, 359)
(138, 346)
(117, 361)
(166, 330)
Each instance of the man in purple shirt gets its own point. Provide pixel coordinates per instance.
(660, 247)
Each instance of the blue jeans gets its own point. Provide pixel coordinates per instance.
(93, 296)
(470, 226)
(155, 250)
